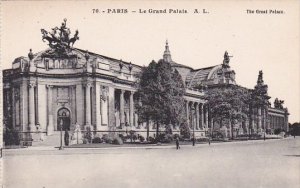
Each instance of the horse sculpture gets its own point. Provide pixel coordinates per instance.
(73, 39)
(59, 38)
(50, 39)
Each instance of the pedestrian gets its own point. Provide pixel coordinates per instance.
(208, 141)
(264, 136)
(177, 143)
(66, 137)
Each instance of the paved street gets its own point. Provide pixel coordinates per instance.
(271, 163)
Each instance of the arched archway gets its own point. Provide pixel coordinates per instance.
(63, 119)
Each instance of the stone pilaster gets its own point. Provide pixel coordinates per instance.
(122, 119)
(131, 110)
(50, 126)
(80, 105)
(97, 107)
(24, 105)
(111, 107)
(104, 105)
(88, 104)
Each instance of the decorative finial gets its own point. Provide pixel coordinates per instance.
(130, 66)
(260, 80)
(167, 53)
(226, 60)
(121, 64)
(30, 54)
(87, 55)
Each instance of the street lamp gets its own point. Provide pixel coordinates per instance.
(61, 126)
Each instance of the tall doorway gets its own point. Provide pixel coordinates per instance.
(63, 119)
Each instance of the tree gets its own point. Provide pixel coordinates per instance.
(228, 103)
(259, 96)
(161, 91)
(295, 129)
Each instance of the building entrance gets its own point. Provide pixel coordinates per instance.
(63, 119)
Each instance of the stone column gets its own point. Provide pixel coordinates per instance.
(259, 120)
(88, 104)
(131, 109)
(206, 116)
(252, 122)
(264, 123)
(247, 125)
(202, 116)
(187, 113)
(197, 116)
(31, 107)
(192, 116)
(13, 105)
(122, 108)
(271, 122)
(50, 127)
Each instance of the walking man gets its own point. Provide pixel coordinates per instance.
(177, 143)
(66, 137)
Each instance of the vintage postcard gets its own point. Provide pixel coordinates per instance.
(150, 93)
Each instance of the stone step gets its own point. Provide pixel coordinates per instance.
(50, 140)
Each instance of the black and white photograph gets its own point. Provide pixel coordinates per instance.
(130, 94)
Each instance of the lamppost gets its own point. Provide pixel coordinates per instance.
(61, 127)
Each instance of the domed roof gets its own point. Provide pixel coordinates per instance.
(197, 76)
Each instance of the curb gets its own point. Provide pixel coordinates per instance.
(54, 148)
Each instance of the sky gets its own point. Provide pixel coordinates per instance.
(258, 41)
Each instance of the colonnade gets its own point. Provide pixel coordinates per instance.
(130, 120)
(197, 115)
(259, 119)
(277, 122)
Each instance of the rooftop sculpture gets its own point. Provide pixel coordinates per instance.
(59, 38)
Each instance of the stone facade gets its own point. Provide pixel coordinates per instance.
(75, 87)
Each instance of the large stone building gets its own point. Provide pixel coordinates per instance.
(68, 86)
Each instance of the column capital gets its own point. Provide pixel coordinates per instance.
(122, 91)
(32, 84)
(88, 85)
(49, 86)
